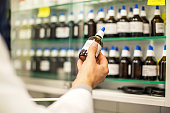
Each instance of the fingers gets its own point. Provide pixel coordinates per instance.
(103, 60)
(79, 64)
(92, 51)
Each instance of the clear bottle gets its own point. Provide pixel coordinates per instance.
(111, 25)
(98, 38)
(63, 28)
(101, 22)
(137, 63)
(54, 60)
(118, 14)
(136, 23)
(38, 57)
(125, 63)
(123, 24)
(130, 14)
(53, 26)
(113, 63)
(91, 24)
(149, 68)
(157, 24)
(45, 61)
(146, 28)
(162, 66)
(37, 28)
(80, 25)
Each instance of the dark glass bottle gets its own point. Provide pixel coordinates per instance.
(80, 25)
(54, 60)
(47, 28)
(91, 24)
(37, 28)
(123, 24)
(136, 23)
(43, 29)
(162, 66)
(137, 64)
(101, 22)
(118, 16)
(97, 38)
(149, 69)
(104, 51)
(125, 64)
(146, 28)
(62, 31)
(26, 60)
(157, 24)
(53, 26)
(113, 63)
(111, 30)
(130, 14)
(32, 59)
(38, 57)
(32, 27)
(45, 61)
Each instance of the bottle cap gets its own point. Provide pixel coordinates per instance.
(91, 14)
(157, 7)
(119, 14)
(150, 51)
(138, 47)
(126, 48)
(131, 9)
(111, 11)
(130, 14)
(63, 52)
(71, 16)
(143, 13)
(157, 11)
(54, 48)
(137, 51)
(39, 51)
(54, 14)
(80, 16)
(112, 52)
(117, 52)
(53, 18)
(101, 32)
(101, 13)
(125, 52)
(123, 11)
(136, 10)
(62, 17)
(143, 8)
(46, 48)
(164, 51)
(164, 47)
(150, 47)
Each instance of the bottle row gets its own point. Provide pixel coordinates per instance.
(135, 24)
(64, 61)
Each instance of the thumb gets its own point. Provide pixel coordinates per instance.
(92, 50)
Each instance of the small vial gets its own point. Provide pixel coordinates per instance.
(98, 38)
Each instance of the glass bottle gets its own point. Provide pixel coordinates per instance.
(136, 23)
(47, 28)
(149, 70)
(162, 66)
(101, 22)
(111, 25)
(37, 28)
(17, 28)
(53, 26)
(32, 59)
(113, 63)
(91, 24)
(80, 25)
(23, 32)
(38, 57)
(137, 64)
(32, 28)
(98, 38)
(146, 28)
(157, 24)
(123, 24)
(54, 60)
(130, 14)
(118, 14)
(125, 63)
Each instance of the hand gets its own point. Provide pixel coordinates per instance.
(92, 72)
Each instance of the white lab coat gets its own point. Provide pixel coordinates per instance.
(15, 99)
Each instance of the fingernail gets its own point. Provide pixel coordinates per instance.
(95, 44)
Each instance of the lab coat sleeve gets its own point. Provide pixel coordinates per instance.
(15, 99)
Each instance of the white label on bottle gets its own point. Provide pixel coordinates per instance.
(145, 28)
(75, 30)
(136, 27)
(122, 27)
(129, 69)
(110, 28)
(88, 44)
(62, 32)
(100, 26)
(160, 28)
(28, 65)
(67, 67)
(17, 64)
(86, 29)
(44, 65)
(42, 33)
(113, 69)
(48, 32)
(149, 70)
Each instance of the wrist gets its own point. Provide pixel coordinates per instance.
(77, 82)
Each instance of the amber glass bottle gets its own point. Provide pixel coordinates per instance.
(125, 64)
(38, 58)
(53, 26)
(101, 22)
(111, 30)
(162, 66)
(80, 25)
(157, 24)
(123, 24)
(137, 64)
(149, 70)
(91, 24)
(130, 14)
(54, 60)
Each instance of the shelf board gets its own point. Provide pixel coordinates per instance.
(136, 81)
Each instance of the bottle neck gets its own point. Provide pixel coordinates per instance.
(157, 12)
(164, 53)
(113, 53)
(125, 53)
(136, 11)
(123, 13)
(150, 53)
(143, 14)
(137, 53)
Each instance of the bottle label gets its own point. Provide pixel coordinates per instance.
(44, 65)
(42, 33)
(129, 69)
(28, 65)
(160, 28)
(88, 44)
(113, 69)
(48, 32)
(136, 27)
(149, 70)
(111, 28)
(122, 27)
(146, 28)
(100, 26)
(62, 32)
(85, 29)
(67, 67)
(75, 30)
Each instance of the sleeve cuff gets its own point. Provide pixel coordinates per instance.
(84, 86)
